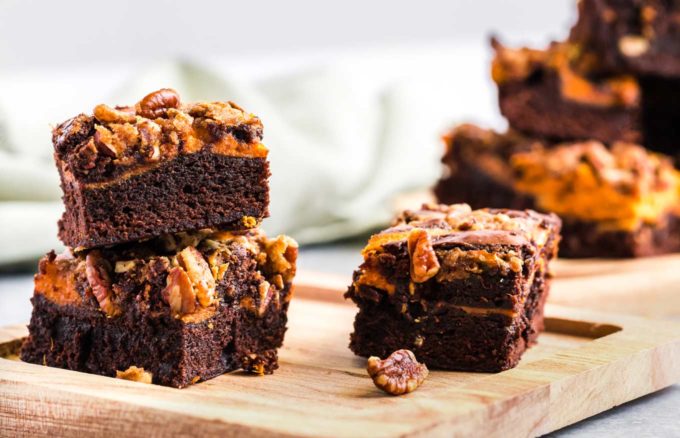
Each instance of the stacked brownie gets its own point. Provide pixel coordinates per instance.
(167, 277)
(579, 114)
(463, 289)
(621, 201)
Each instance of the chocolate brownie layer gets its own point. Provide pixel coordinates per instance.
(200, 190)
(159, 167)
(618, 203)
(183, 308)
(489, 344)
(637, 36)
(462, 289)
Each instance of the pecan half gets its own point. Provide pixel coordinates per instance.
(150, 139)
(156, 104)
(399, 374)
(106, 114)
(200, 275)
(97, 275)
(71, 133)
(103, 140)
(179, 293)
(424, 263)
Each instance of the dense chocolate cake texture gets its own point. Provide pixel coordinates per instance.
(158, 167)
(463, 289)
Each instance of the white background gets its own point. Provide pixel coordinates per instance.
(50, 33)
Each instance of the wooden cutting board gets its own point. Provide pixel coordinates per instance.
(584, 364)
(647, 286)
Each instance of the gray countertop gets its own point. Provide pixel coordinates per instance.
(656, 415)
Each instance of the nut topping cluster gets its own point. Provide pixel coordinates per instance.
(189, 285)
(399, 374)
(96, 271)
(189, 278)
(281, 256)
(424, 263)
(157, 127)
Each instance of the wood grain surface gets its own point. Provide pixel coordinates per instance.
(586, 363)
(647, 286)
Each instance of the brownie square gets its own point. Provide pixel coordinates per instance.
(554, 94)
(462, 289)
(634, 36)
(174, 310)
(541, 93)
(159, 167)
(621, 201)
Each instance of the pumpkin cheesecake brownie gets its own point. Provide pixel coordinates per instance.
(639, 37)
(542, 93)
(463, 289)
(556, 94)
(174, 310)
(157, 167)
(616, 201)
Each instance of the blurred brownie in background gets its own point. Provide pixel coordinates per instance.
(541, 93)
(462, 289)
(158, 167)
(637, 36)
(617, 201)
(173, 310)
(557, 94)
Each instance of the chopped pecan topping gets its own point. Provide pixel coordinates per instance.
(200, 275)
(103, 140)
(156, 104)
(71, 133)
(281, 257)
(399, 374)
(116, 140)
(179, 293)
(106, 114)
(149, 139)
(424, 263)
(97, 275)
